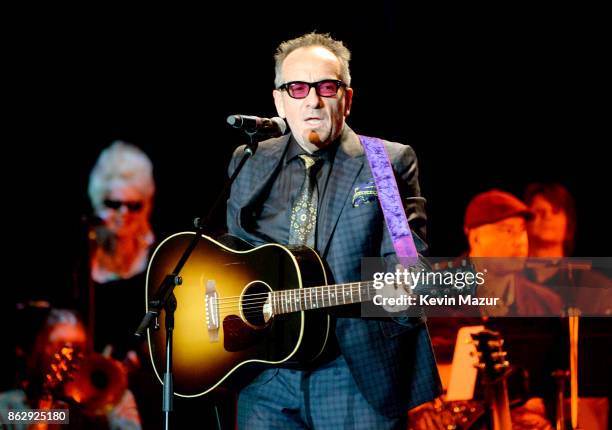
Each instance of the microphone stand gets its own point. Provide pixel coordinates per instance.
(573, 316)
(165, 299)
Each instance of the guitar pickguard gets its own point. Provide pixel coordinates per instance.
(239, 336)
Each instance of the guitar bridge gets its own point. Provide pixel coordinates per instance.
(267, 309)
(212, 311)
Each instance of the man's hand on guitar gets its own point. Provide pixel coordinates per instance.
(396, 294)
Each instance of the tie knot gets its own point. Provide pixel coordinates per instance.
(310, 160)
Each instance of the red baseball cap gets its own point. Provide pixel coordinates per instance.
(492, 206)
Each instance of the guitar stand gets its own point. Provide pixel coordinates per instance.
(165, 299)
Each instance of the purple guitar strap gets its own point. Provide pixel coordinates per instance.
(390, 200)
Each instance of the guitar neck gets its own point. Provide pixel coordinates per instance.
(492, 361)
(303, 299)
(500, 406)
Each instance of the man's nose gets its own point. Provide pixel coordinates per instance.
(313, 100)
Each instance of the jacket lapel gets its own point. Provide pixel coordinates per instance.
(347, 166)
(259, 173)
(263, 168)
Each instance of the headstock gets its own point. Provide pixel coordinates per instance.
(490, 353)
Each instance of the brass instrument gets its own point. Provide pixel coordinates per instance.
(98, 385)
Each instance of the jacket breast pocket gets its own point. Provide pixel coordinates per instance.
(364, 214)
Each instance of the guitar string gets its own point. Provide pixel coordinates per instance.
(254, 305)
(303, 293)
(349, 284)
(295, 298)
(290, 307)
(256, 308)
(288, 298)
(287, 303)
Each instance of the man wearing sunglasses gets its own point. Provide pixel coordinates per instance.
(314, 187)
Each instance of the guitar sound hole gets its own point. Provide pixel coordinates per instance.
(252, 301)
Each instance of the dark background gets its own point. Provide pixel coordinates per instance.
(488, 97)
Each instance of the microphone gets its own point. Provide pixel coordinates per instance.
(272, 127)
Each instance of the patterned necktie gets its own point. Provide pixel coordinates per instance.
(304, 210)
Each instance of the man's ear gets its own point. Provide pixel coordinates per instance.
(279, 103)
(348, 101)
(472, 237)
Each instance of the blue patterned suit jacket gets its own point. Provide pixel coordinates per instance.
(391, 359)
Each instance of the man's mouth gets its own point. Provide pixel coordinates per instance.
(313, 120)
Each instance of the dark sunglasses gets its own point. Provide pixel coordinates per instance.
(324, 88)
(116, 205)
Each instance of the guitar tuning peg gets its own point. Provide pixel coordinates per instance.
(500, 354)
(500, 366)
(480, 366)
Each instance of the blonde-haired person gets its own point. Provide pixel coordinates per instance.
(121, 238)
(121, 190)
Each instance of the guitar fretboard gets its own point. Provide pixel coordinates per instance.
(302, 299)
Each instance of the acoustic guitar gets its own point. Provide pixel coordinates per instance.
(241, 305)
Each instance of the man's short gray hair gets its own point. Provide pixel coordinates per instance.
(313, 39)
(118, 165)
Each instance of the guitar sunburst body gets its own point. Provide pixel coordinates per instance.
(224, 318)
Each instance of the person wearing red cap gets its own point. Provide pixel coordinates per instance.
(495, 226)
